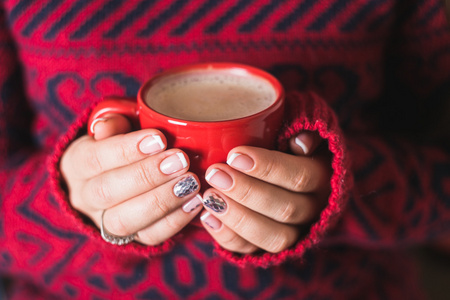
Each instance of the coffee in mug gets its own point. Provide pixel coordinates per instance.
(210, 96)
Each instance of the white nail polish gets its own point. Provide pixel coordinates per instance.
(232, 158)
(182, 159)
(192, 204)
(151, 144)
(211, 174)
(211, 221)
(173, 163)
(97, 121)
(159, 141)
(205, 216)
(301, 145)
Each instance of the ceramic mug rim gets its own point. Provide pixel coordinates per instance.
(242, 69)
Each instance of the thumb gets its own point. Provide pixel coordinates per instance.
(305, 143)
(111, 125)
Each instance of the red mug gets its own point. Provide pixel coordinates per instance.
(204, 141)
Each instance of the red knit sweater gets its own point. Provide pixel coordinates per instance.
(359, 72)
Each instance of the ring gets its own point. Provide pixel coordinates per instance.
(115, 239)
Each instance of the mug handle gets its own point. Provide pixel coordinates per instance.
(114, 105)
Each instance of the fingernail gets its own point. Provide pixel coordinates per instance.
(219, 179)
(173, 163)
(96, 121)
(151, 144)
(304, 141)
(185, 186)
(215, 203)
(192, 204)
(211, 221)
(240, 161)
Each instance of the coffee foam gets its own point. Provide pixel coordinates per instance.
(210, 96)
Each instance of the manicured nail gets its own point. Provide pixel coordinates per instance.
(211, 221)
(240, 161)
(185, 186)
(96, 121)
(219, 179)
(173, 163)
(215, 203)
(151, 144)
(304, 141)
(192, 204)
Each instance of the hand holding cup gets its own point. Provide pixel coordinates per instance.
(130, 182)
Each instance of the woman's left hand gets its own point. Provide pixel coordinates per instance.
(264, 199)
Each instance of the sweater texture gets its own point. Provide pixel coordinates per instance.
(364, 74)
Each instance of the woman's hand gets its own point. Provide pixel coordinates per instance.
(139, 185)
(265, 199)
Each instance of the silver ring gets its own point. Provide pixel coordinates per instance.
(115, 239)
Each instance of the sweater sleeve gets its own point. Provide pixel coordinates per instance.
(40, 234)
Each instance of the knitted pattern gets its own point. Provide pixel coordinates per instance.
(361, 73)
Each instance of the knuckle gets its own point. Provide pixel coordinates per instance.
(92, 161)
(144, 174)
(268, 169)
(81, 198)
(76, 156)
(149, 239)
(279, 243)
(240, 223)
(307, 213)
(289, 213)
(246, 193)
(301, 181)
(231, 242)
(159, 205)
(172, 224)
(238, 247)
(101, 192)
(123, 153)
(247, 249)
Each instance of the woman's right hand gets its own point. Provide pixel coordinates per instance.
(139, 185)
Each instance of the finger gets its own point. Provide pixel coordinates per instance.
(110, 125)
(257, 229)
(226, 237)
(294, 173)
(305, 143)
(140, 212)
(113, 187)
(171, 224)
(268, 200)
(86, 157)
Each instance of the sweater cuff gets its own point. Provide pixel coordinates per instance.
(75, 218)
(307, 111)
